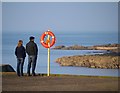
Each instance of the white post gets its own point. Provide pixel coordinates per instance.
(48, 57)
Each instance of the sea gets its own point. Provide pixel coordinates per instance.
(10, 39)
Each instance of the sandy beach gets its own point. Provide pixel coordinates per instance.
(11, 82)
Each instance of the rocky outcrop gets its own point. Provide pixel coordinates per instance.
(112, 49)
(6, 68)
(59, 47)
(91, 61)
(74, 47)
(108, 45)
(96, 47)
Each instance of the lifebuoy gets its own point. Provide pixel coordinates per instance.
(48, 45)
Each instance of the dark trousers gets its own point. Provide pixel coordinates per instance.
(20, 63)
(31, 61)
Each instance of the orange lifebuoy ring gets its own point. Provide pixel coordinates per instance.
(48, 45)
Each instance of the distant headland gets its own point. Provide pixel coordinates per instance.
(95, 47)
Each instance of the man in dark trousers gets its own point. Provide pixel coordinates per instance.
(32, 51)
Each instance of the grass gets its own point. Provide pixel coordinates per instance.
(58, 75)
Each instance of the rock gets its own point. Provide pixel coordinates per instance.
(114, 48)
(92, 61)
(6, 68)
(59, 47)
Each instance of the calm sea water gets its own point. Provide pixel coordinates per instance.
(9, 42)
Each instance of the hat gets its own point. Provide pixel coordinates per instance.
(32, 38)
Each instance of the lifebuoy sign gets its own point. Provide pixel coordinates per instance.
(48, 43)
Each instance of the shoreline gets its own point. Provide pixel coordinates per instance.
(108, 60)
(54, 75)
(9, 72)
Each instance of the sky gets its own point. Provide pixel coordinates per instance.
(60, 17)
(60, 0)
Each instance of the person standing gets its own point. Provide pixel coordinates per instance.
(32, 51)
(20, 54)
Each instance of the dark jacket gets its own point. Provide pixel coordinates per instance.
(20, 52)
(31, 48)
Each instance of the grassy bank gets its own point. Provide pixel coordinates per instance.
(54, 75)
(58, 82)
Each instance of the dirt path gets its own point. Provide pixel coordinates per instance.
(58, 83)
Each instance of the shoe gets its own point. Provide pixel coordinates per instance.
(22, 74)
(28, 75)
(33, 74)
(18, 75)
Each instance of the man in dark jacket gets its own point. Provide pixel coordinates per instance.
(32, 51)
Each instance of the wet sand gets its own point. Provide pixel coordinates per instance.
(11, 82)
